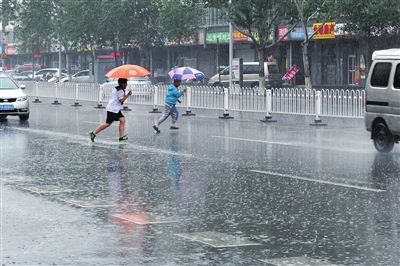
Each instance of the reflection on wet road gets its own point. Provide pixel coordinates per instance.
(213, 193)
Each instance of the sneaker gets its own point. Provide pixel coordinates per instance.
(123, 138)
(156, 129)
(174, 127)
(92, 135)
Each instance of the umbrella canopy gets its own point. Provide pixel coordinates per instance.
(128, 71)
(185, 73)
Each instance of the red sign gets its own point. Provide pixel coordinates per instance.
(291, 73)
(37, 55)
(324, 30)
(117, 54)
(282, 31)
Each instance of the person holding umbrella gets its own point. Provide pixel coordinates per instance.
(114, 106)
(118, 97)
(173, 94)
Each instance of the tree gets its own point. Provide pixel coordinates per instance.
(35, 25)
(179, 19)
(257, 20)
(302, 12)
(369, 18)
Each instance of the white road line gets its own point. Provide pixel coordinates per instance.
(79, 139)
(296, 144)
(317, 181)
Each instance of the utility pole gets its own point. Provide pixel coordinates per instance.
(230, 50)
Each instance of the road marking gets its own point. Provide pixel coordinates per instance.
(317, 181)
(295, 144)
(79, 139)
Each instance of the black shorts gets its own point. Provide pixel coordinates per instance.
(111, 117)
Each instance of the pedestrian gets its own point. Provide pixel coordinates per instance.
(173, 94)
(114, 106)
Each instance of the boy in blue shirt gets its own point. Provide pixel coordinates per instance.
(173, 94)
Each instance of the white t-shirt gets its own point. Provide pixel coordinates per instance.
(114, 104)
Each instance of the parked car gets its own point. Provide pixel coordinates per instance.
(273, 78)
(382, 115)
(55, 78)
(46, 73)
(13, 101)
(23, 76)
(81, 76)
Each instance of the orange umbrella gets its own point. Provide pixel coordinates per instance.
(128, 71)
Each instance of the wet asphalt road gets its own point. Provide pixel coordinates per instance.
(234, 192)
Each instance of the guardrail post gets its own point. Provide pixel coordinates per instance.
(100, 100)
(56, 102)
(317, 119)
(188, 102)
(155, 101)
(226, 105)
(268, 104)
(37, 93)
(76, 104)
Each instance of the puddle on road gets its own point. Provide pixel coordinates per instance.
(218, 240)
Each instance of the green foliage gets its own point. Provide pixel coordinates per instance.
(179, 19)
(36, 23)
(371, 17)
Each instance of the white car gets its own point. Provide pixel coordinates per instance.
(139, 85)
(13, 101)
(45, 74)
(81, 76)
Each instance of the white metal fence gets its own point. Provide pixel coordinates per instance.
(325, 102)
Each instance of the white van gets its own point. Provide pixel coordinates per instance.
(273, 78)
(382, 115)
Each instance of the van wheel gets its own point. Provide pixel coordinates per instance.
(24, 117)
(383, 139)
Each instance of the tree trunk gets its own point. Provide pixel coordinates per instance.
(261, 60)
(68, 62)
(306, 63)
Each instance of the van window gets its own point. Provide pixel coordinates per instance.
(380, 75)
(251, 69)
(396, 81)
(273, 69)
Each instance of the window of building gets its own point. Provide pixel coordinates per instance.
(380, 75)
(396, 81)
(351, 70)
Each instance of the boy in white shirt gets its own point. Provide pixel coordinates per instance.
(114, 107)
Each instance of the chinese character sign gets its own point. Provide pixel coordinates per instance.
(291, 73)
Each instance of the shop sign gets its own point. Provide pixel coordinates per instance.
(213, 37)
(239, 37)
(297, 34)
(324, 30)
(291, 73)
(282, 31)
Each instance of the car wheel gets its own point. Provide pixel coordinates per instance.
(3, 118)
(24, 117)
(383, 139)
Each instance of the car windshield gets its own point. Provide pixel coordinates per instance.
(273, 69)
(7, 84)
